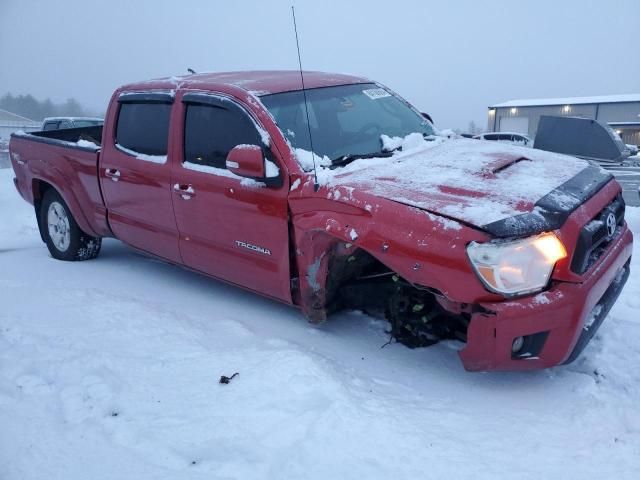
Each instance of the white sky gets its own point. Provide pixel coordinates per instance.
(451, 59)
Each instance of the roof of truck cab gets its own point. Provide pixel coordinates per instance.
(258, 82)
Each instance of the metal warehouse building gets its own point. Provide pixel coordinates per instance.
(621, 112)
(10, 122)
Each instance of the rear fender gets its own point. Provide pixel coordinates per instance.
(40, 185)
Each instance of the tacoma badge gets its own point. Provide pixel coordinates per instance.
(255, 248)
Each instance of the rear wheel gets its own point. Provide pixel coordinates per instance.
(64, 238)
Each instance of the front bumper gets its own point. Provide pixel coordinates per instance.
(557, 324)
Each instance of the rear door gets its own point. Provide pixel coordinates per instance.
(136, 176)
(231, 228)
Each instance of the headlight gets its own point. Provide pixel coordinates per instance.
(516, 267)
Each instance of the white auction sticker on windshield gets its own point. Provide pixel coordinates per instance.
(376, 93)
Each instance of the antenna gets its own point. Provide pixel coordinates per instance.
(316, 186)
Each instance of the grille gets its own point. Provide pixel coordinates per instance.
(595, 236)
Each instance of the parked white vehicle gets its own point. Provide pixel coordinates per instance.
(513, 138)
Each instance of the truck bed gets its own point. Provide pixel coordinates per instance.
(69, 158)
(71, 135)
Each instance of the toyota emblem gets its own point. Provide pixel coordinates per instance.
(611, 225)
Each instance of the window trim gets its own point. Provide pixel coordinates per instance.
(146, 97)
(214, 100)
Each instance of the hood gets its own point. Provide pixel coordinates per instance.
(476, 182)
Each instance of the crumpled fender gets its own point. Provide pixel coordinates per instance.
(319, 237)
(424, 249)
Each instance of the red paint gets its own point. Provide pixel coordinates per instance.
(246, 161)
(265, 238)
(208, 225)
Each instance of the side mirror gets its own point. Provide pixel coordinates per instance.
(248, 161)
(427, 117)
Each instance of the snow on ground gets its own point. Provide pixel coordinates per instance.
(110, 368)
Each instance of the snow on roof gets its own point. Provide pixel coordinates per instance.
(536, 102)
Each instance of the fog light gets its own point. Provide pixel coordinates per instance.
(517, 344)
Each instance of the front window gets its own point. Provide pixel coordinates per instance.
(211, 132)
(347, 120)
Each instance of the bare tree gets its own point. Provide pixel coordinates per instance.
(473, 128)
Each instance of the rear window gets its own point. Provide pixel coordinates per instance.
(144, 127)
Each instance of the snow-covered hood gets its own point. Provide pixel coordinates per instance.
(474, 181)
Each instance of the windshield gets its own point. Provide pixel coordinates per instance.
(347, 120)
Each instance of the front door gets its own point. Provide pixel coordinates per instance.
(136, 176)
(232, 228)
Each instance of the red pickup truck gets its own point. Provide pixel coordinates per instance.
(341, 197)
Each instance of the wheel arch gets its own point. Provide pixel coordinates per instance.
(324, 262)
(40, 186)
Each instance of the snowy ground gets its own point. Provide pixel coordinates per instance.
(109, 370)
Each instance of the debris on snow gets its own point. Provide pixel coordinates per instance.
(224, 379)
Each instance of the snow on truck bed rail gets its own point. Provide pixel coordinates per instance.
(80, 143)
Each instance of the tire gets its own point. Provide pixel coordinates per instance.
(64, 238)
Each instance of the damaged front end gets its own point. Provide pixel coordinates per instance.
(334, 275)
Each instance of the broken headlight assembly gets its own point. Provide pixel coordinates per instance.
(516, 267)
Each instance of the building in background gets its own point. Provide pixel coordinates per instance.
(621, 112)
(10, 123)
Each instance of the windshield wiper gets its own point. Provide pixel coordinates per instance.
(345, 159)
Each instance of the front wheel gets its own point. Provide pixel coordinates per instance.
(64, 239)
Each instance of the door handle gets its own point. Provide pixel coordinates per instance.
(112, 173)
(185, 191)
